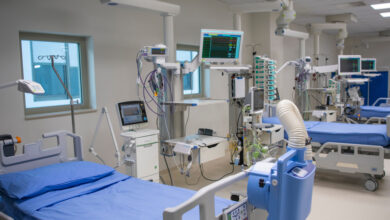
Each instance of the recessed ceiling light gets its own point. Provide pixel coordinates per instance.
(385, 14)
(381, 6)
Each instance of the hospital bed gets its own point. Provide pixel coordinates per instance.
(83, 190)
(48, 184)
(376, 113)
(349, 148)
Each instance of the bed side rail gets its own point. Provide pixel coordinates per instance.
(5, 217)
(34, 156)
(204, 198)
(375, 120)
(387, 101)
(379, 120)
(388, 125)
(380, 149)
(368, 158)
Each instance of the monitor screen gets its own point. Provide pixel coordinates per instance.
(368, 64)
(159, 51)
(349, 65)
(221, 46)
(257, 100)
(132, 113)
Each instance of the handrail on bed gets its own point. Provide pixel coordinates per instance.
(204, 198)
(34, 155)
(378, 120)
(3, 216)
(381, 99)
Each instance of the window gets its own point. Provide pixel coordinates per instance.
(70, 62)
(191, 82)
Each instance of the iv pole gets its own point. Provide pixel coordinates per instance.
(67, 92)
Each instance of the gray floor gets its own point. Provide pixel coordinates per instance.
(336, 196)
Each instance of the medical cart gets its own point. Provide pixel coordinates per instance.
(141, 148)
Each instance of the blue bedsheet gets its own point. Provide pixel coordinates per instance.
(374, 111)
(113, 197)
(323, 132)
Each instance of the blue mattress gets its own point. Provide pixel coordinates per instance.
(374, 111)
(323, 132)
(116, 196)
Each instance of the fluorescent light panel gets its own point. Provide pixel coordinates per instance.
(385, 14)
(381, 6)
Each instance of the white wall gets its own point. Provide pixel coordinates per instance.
(378, 50)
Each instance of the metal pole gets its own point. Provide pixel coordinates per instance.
(169, 37)
(302, 45)
(237, 21)
(67, 92)
(316, 48)
(5, 85)
(174, 116)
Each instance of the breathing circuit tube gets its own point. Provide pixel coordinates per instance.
(292, 122)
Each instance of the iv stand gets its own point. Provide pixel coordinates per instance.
(67, 92)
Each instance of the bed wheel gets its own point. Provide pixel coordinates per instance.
(371, 184)
(379, 177)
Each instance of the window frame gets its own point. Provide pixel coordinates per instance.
(201, 72)
(87, 79)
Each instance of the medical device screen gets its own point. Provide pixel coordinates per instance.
(159, 51)
(132, 112)
(220, 46)
(368, 65)
(258, 100)
(349, 66)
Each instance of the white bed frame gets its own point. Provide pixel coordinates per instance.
(34, 156)
(204, 198)
(361, 159)
(352, 158)
(387, 103)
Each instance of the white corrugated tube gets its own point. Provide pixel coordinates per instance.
(292, 122)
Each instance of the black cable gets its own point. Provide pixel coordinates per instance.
(238, 120)
(169, 170)
(192, 184)
(162, 179)
(206, 178)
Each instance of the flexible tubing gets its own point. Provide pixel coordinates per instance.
(292, 122)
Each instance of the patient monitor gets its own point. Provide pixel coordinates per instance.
(220, 46)
(349, 65)
(368, 64)
(132, 115)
